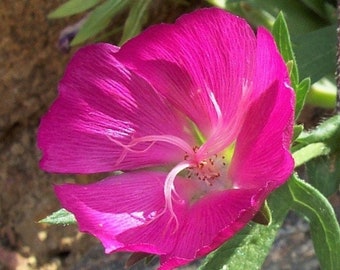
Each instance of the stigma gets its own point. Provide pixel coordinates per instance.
(209, 170)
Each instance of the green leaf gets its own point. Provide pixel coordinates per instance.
(251, 243)
(324, 227)
(249, 248)
(297, 131)
(316, 52)
(320, 7)
(72, 7)
(60, 217)
(255, 16)
(99, 19)
(299, 18)
(301, 93)
(309, 152)
(282, 38)
(327, 132)
(134, 22)
(138, 256)
(264, 216)
(323, 173)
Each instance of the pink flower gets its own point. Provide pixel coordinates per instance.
(198, 115)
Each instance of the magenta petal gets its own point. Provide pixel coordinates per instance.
(211, 221)
(206, 54)
(119, 211)
(262, 147)
(102, 106)
(124, 213)
(127, 109)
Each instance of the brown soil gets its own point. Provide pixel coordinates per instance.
(30, 69)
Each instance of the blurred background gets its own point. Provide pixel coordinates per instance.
(34, 50)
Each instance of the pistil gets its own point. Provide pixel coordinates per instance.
(208, 170)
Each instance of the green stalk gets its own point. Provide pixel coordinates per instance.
(322, 94)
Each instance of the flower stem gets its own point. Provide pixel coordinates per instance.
(322, 94)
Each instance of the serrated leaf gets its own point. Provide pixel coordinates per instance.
(99, 19)
(324, 226)
(282, 38)
(249, 248)
(60, 217)
(135, 20)
(72, 7)
(316, 53)
(301, 94)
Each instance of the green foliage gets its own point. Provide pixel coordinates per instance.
(323, 93)
(327, 132)
(72, 7)
(249, 248)
(246, 250)
(302, 89)
(297, 131)
(302, 15)
(324, 226)
(282, 38)
(309, 152)
(60, 217)
(320, 7)
(99, 19)
(254, 241)
(264, 216)
(101, 15)
(324, 173)
(135, 20)
(316, 52)
(319, 149)
(311, 24)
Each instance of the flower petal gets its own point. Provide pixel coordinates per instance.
(205, 55)
(210, 222)
(262, 147)
(119, 211)
(102, 107)
(126, 212)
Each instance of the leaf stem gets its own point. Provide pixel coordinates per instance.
(322, 94)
